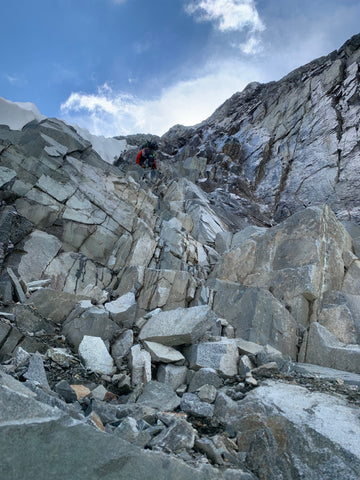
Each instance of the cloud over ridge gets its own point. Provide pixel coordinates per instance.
(231, 16)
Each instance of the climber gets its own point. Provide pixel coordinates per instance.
(147, 155)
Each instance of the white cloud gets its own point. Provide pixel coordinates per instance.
(231, 15)
(15, 80)
(189, 102)
(227, 14)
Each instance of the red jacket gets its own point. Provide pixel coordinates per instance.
(138, 158)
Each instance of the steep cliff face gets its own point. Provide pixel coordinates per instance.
(171, 296)
(292, 143)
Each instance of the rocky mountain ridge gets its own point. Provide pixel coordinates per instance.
(202, 320)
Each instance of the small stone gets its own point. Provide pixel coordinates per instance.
(174, 375)
(245, 366)
(81, 391)
(207, 393)
(180, 435)
(97, 420)
(251, 381)
(266, 370)
(140, 362)
(61, 356)
(65, 391)
(99, 392)
(36, 372)
(181, 390)
(205, 376)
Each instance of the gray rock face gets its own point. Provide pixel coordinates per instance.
(227, 250)
(270, 138)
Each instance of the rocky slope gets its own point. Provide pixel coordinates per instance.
(169, 325)
(292, 143)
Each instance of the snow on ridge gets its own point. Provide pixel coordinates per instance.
(108, 148)
(18, 114)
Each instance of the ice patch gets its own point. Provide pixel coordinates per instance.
(18, 114)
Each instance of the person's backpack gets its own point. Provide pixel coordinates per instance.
(149, 155)
(150, 144)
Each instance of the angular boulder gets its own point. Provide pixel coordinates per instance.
(178, 327)
(222, 356)
(321, 347)
(256, 315)
(94, 353)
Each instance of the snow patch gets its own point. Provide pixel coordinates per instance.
(109, 149)
(18, 114)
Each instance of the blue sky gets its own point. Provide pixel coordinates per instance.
(127, 66)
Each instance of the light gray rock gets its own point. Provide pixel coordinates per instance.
(15, 281)
(60, 192)
(140, 362)
(129, 431)
(94, 353)
(340, 314)
(297, 260)
(6, 176)
(168, 289)
(162, 353)
(74, 273)
(174, 375)
(40, 248)
(207, 393)
(327, 373)
(206, 445)
(160, 396)
(180, 326)
(56, 306)
(222, 356)
(99, 392)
